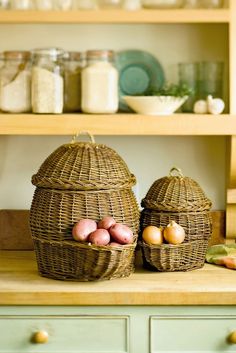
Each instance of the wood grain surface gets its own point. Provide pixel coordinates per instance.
(20, 284)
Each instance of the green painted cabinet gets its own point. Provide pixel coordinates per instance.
(120, 329)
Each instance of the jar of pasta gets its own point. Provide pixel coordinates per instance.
(74, 62)
(47, 81)
(15, 82)
(99, 83)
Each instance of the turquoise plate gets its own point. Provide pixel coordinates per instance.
(138, 72)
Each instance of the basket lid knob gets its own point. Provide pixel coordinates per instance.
(92, 140)
(176, 171)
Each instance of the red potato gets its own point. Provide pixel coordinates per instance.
(121, 234)
(99, 237)
(106, 223)
(83, 228)
(113, 243)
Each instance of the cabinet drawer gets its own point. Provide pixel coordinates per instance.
(67, 334)
(191, 333)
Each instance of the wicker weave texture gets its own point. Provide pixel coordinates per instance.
(176, 194)
(54, 212)
(82, 180)
(168, 258)
(78, 262)
(180, 199)
(197, 225)
(83, 166)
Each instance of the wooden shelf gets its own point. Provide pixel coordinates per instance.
(116, 16)
(117, 124)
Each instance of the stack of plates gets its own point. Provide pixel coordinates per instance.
(139, 71)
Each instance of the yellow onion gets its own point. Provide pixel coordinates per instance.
(152, 235)
(173, 233)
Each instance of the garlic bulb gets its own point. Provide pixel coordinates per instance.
(215, 105)
(200, 107)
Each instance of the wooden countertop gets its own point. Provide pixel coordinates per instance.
(20, 284)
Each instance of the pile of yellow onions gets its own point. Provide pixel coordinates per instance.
(173, 233)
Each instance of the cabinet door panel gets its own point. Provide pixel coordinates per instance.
(67, 334)
(191, 334)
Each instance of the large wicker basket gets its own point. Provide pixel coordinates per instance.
(182, 200)
(82, 180)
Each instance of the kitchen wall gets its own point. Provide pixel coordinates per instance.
(202, 158)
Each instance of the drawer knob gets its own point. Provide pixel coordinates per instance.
(40, 337)
(232, 337)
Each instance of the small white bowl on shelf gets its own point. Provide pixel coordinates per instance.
(154, 105)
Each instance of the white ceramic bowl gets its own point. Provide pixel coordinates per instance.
(154, 105)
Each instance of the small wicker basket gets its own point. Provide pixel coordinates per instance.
(180, 199)
(82, 180)
(167, 258)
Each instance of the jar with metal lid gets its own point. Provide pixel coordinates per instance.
(73, 62)
(48, 81)
(15, 82)
(99, 83)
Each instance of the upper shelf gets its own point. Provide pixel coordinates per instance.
(116, 16)
(117, 124)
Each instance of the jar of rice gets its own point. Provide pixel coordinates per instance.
(47, 81)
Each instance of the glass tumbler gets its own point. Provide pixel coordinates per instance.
(210, 76)
(188, 75)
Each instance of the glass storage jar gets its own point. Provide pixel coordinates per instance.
(99, 83)
(74, 62)
(15, 82)
(47, 81)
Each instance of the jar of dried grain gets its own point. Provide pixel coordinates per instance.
(15, 82)
(48, 81)
(74, 62)
(99, 83)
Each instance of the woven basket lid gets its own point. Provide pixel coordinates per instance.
(83, 166)
(176, 193)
